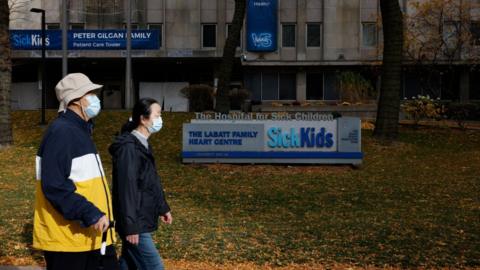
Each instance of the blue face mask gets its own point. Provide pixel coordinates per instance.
(156, 126)
(94, 107)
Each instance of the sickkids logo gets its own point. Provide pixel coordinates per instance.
(262, 40)
(307, 137)
(32, 40)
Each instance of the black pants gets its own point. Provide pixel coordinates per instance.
(89, 260)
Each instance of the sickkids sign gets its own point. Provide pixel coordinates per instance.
(272, 138)
(85, 39)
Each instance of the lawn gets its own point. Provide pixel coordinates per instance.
(414, 203)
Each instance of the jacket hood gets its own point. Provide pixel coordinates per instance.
(121, 140)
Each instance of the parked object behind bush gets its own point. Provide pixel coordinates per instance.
(200, 97)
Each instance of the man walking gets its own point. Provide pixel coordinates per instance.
(72, 203)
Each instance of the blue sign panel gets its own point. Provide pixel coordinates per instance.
(336, 141)
(262, 25)
(85, 39)
(32, 39)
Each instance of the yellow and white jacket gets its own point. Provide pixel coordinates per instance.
(71, 189)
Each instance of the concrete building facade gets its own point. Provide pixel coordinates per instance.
(317, 40)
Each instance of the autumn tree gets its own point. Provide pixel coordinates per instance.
(439, 38)
(5, 76)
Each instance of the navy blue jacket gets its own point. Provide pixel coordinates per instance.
(67, 138)
(138, 196)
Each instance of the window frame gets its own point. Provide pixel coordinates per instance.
(323, 85)
(319, 37)
(202, 39)
(56, 26)
(72, 25)
(375, 38)
(294, 37)
(475, 41)
(277, 74)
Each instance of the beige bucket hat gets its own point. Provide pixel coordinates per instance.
(73, 86)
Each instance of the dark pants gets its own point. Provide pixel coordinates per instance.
(89, 260)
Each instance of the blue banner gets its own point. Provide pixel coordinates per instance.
(262, 25)
(85, 39)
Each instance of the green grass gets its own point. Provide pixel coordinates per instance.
(414, 203)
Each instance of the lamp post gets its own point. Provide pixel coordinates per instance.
(128, 51)
(64, 38)
(44, 81)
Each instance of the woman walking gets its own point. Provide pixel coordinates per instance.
(138, 197)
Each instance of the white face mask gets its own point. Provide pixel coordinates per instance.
(156, 125)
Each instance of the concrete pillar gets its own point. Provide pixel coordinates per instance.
(301, 85)
(301, 29)
(465, 85)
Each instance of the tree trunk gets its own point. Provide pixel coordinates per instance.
(5, 76)
(228, 59)
(386, 126)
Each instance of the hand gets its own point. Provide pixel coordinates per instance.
(167, 218)
(133, 239)
(102, 224)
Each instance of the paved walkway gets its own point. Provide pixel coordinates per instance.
(21, 268)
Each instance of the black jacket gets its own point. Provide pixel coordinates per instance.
(138, 197)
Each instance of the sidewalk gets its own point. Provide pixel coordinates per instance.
(21, 268)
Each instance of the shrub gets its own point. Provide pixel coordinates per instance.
(200, 97)
(462, 112)
(238, 97)
(423, 107)
(354, 88)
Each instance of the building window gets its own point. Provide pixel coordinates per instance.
(475, 85)
(77, 26)
(239, 40)
(450, 38)
(253, 82)
(269, 86)
(288, 86)
(53, 26)
(159, 27)
(133, 25)
(288, 35)
(475, 32)
(313, 34)
(330, 91)
(322, 86)
(209, 35)
(369, 34)
(315, 86)
(272, 85)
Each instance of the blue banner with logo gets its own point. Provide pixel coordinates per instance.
(262, 25)
(85, 39)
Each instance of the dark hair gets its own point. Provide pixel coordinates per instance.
(141, 108)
